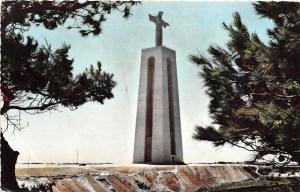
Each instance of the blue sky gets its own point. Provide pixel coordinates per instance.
(105, 133)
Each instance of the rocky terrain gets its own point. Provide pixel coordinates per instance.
(153, 178)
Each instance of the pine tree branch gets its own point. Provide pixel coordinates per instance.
(42, 107)
(40, 7)
(277, 95)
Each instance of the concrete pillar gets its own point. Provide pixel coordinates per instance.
(161, 108)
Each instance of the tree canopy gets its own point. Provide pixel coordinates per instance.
(34, 77)
(255, 87)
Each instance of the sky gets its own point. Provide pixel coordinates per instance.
(105, 133)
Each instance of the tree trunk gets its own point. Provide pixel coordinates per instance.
(8, 162)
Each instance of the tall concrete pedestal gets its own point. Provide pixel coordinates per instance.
(158, 131)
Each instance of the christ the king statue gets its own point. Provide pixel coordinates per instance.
(159, 25)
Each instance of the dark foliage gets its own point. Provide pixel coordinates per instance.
(35, 78)
(255, 88)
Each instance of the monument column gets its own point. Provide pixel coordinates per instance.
(158, 131)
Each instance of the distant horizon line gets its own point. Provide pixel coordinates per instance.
(219, 162)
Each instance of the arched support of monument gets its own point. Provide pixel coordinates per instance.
(171, 108)
(149, 109)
